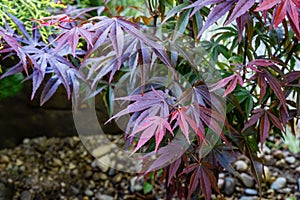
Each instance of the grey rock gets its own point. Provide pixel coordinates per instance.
(221, 183)
(248, 181)
(248, 198)
(88, 192)
(279, 183)
(299, 184)
(102, 150)
(229, 186)
(281, 163)
(241, 166)
(111, 172)
(290, 159)
(26, 195)
(136, 184)
(75, 190)
(286, 190)
(104, 197)
(251, 192)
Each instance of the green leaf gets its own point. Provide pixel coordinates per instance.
(111, 97)
(174, 11)
(147, 188)
(183, 21)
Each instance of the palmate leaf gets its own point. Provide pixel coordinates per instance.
(166, 155)
(116, 28)
(71, 38)
(266, 119)
(216, 13)
(282, 9)
(201, 174)
(153, 126)
(17, 48)
(231, 83)
(154, 98)
(184, 121)
(241, 7)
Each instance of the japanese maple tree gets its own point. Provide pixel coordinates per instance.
(254, 47)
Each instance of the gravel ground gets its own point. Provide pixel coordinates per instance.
(61, 168)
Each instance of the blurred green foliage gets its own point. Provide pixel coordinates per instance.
(11, 85)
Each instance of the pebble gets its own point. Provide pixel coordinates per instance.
(88, 192)
(57, 162)
(4, 159)
(251, 192)
(26, 141)
(221, 183)
(96, 177)
(104, 197)
(286, 190)
(26, 195)
(281, 163)
(102, 150)
(88, 174)
(299, 184)
(229, 186)
(279, 183)
(298, 169)
(135, 184)
(267, 173)
(19, 162)
(75, 190)
(103, 168)
(278, 154)
(72, 166)
(290, 159)
(111, 172)
(248, 198)
(247, 180)
(103, 176)
(117, 178)
(241, 166)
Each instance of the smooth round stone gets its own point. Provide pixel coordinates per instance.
(247, 180)
(248, 198)
(101, 150)
(241, 166)
(111, 172)
(229, 186)
(281, 163)
(290, 159)
(286, 190)
(89, 192)
(117, 178)
(278, 154)
(299, 184)
(251, 192)
(26, 195)
(221, 183)
(279, 183)
(104, 197)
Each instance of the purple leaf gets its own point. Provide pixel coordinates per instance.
(200, 4)
(49, 89)
(215, 14)
(254, 119)
(241, 7)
